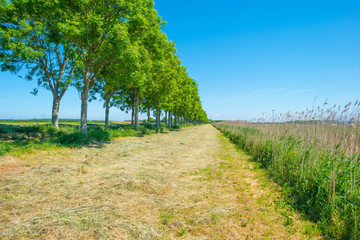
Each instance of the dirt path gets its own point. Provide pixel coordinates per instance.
(190, 184)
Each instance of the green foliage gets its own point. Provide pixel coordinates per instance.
(73, 139)
(5, 148)
(145, 131)
(117, 50)
(319, 182)
(98, 134)
(349, 223)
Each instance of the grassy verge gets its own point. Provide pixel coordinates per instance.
(238, 202)
(320, 183)
(18, 137)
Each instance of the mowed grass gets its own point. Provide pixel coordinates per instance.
(236, 200)
(317, 164)
(19, 137)
(187, 184)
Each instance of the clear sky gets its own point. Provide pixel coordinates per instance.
(249, 57)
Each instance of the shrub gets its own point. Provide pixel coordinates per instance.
(2, 131)
(98, 134)
(5, 148)
(27, 129)
(145, 131)
(73, 139)
(49, 130)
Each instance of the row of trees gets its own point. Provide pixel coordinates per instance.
(115, 49)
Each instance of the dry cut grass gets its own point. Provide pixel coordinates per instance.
(190, 184)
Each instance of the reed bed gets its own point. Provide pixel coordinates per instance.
(315, 156)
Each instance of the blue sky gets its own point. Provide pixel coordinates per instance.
(249, 57)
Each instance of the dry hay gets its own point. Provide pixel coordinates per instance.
(182, 185)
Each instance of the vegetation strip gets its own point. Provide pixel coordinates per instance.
(18, 137)
(322, 183)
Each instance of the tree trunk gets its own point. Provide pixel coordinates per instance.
(169, 119)
(137, 103)
(175, 120)
(148, 121)
(55, 111)
(107, 111)
(84, 102)
(158, 112)
(132, 114)
(165, 118)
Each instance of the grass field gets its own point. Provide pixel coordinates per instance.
(318, 164)
(186, 184)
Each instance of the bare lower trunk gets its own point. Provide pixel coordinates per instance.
(165, 118)
(55, 112)
(107, 111)
(148, 121)
(136, 117)
(175, 120)
(84, 102)
(169, 119)
(132, 114)
(158, 112)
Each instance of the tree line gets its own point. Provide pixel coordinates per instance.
(112, 49)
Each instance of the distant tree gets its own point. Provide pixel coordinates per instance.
(106, 88)
(144, 28)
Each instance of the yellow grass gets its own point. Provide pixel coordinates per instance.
(190, 184)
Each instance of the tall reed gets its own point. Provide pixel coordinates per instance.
(315, 158)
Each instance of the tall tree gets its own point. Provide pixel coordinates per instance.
(144, 29)
(98, 30)
(160, 81)
(30, 39)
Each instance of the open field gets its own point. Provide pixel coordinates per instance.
(186, 184)
(317, 163)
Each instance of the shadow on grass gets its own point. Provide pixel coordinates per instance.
(21, 137)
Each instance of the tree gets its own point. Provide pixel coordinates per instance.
(111, 83)
(158, 81)
(98, 30)
(144, 31)
(30, 39)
